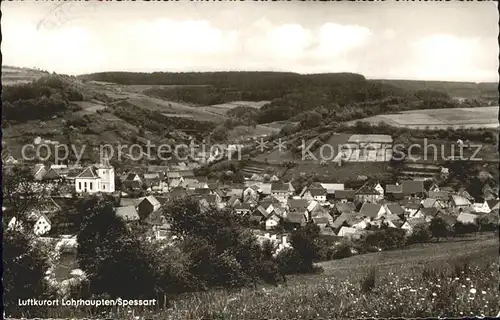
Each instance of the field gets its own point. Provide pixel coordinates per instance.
(15, 75)
(453, 278)
(484, 117)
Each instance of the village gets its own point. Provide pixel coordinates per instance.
(272, 207)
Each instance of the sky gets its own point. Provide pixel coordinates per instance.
(449, 41)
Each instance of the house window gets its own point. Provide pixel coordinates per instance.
(104, 187)
(85, 185)
(79, 185)
(90, 185)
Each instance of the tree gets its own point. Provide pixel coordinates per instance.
(420, 234)
(25, 262)
(304, 242)
(438, 228)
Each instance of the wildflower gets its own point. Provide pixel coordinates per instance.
(483, 292)
(463, 286)
(413, 290)
(468, 279)
(472, 290)
(456, 278)
(437, 285)
(434, 294)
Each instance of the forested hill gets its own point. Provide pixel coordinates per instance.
(346, 95)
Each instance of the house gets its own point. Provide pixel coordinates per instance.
(242, 209)
(343, 207)
(38, 221)
(343, 219)
(125, 202)
(443, 197)
(462, 192)
(346, 232)
(96, 178)
(427, 212)
(392, 221)
(321, 221)
(316, 194)
(131, 185)
(147, 206)
(39, 171)
(345, 196)
(467, 218)
(51, 175)
(298, 206)
(280, 191)
(431, 203)
(331, 188)
(410, 224)
(370, 192)
(413, 189)
(481, 207)
(133, 177)
(294, 219)
(251, 194)
(394, 192)
(394, 209)
(491, 204)
(274, 178)
(233, 201)
(459, 203)
(272, 221)
(374, 211)
(128, 213)
(411, 206)
(489, 193)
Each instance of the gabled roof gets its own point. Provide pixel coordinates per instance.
(393, 188)
(415, 221)
(297, 203)
(295, 217)
(318, 192)
(343, 218)
(152, 175)
(131, 176)
(186, 173)
(368, 188)
(432, 211)
(320, 220)
(173, 174)
(465, 217)
(88, 172)
(344, 231)
(242, 206)
(370, 210)
(392, 217)
(411, 204)
(153, 201)
(260, 210)
(429, 202)
(413, 187)
(51, 174)
(439, 195)
(492, 203)
(345, 194)
(345, 207)
(133, 184)
(395, 208)
(460, 201)
(279, 187)
(128, 213)
(331, 188)
(124, 202)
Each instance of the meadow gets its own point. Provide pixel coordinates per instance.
(454, 278)
(484, 117)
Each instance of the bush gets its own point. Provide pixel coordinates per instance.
(343, 250)
(367, 283)
(420, 234)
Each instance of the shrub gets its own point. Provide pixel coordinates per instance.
(420, 234)
(367, 283)
(343, 250)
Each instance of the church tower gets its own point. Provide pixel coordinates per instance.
(107, 174)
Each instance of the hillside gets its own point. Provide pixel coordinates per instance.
(465, 90)
(341, 96)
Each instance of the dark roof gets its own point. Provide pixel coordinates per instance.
(295, 217)
(393, 188)
(345, 207)
(413, 187)
(51, 175)
(202, 191)
(279, 187)
(368, 188)
(370, 210)
(345, 194)
(261, 211)
(320, 220)
(439, 195)
(298, 203)
(395, 208)
(133, 184)
(128, 213)
(186, 173)
(342, 218)
(242, 206)
(131, 176)
(432, 211)
(492, 203)
(88, 172)
(316, 192)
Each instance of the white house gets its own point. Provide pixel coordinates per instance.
(96, 178)
(41, 223)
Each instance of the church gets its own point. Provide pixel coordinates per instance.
(96, 178)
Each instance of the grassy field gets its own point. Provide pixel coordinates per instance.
(484, 117)
(454, 278)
